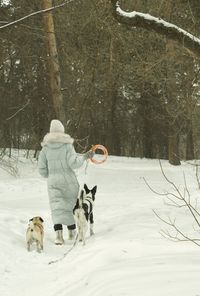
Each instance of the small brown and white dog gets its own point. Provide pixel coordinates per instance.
(35, 233)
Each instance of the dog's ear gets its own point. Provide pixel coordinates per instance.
(94, 190)
(41, 219)
(86, 189)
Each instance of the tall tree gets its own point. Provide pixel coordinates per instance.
(53, 63)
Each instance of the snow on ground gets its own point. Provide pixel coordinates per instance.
(126, 257)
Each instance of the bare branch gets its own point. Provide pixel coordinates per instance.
(178, 200)
(169, 181)
(186, 191)
(188, 205)
(154, 191)
(197, 175)
(36, 13)
(174, 203)
(172, 224)
(22, 108)
(159, 193)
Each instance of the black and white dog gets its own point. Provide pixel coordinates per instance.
(83, 212)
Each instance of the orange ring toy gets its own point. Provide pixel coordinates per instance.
(105, 153)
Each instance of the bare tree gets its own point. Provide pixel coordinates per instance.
(180, 199)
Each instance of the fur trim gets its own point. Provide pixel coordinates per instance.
(57, 138)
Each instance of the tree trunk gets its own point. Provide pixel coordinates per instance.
(112, 95)
(171, 89)
(189, 145)
(53, 63)
(173, 146)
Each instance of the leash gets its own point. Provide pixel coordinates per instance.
(105, 154)
(86, 167)
(75, 241)
(67, 253)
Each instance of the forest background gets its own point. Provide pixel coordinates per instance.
(130, 89)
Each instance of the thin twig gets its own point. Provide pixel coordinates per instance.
(153, 190)
(190, 208)
(197, 175)
(22, 108)
(170, 236)
(36, 13)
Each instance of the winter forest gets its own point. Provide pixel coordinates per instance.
(124, 74)
(126, 85)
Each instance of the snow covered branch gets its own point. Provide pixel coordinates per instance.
(158, 25)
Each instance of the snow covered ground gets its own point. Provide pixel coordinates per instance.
(126, 257)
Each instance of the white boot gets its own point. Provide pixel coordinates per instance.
(72, 234)
(59, 238)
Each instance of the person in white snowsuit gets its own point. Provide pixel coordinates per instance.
(57, 162)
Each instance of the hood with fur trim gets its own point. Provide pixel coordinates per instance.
(57, 138)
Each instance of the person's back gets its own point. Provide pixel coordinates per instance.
(56, 154)
(57, 161)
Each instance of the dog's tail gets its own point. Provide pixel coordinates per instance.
(79, 202)
(81, 199)
(31, 225)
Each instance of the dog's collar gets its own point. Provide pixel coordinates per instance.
(88, 198)
(38, 224)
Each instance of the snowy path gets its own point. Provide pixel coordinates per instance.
(127, 256)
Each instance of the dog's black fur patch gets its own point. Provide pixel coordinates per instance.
(93, 191)
(86, 202)
(39, 218)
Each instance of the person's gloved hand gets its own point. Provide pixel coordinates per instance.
(89, 154)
